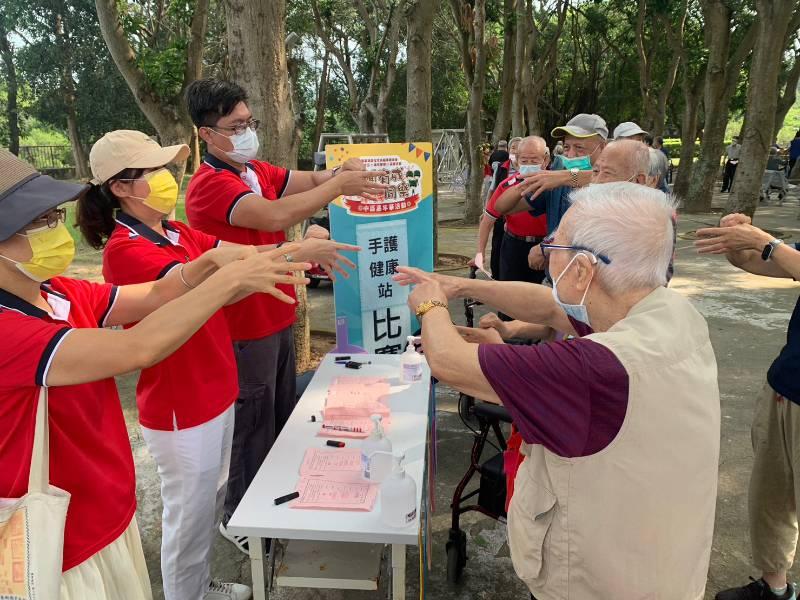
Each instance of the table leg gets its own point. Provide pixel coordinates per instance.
(398, 571)
(256, 545)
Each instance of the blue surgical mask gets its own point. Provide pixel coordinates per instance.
(582, 163)
(529, 169)
(577, 311)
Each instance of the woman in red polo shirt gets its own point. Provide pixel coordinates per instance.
(51, 334)
(185, 402)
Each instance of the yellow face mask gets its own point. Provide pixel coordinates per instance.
(53, 250)
(163, 194)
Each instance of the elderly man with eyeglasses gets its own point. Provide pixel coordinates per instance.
(616, 496)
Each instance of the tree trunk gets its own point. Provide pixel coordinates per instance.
(474, 204)
(12, 85)
(168, 116)
(788, 97)
(419, 20)
(691, 108)
(762, 101)
(722, 74)
(520, 68)
(502, 123)
(68, 96)
(322, 101)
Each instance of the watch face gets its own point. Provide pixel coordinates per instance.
(767, 252)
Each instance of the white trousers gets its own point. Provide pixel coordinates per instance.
(193, 465)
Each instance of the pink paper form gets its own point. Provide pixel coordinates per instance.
(340, 464)
(321, 494)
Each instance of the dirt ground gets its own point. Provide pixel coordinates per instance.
(747, 318)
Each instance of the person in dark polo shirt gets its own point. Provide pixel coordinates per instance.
(239, 199)
(773, 499)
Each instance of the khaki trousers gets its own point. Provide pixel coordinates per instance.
(775, 481)
(117, 572)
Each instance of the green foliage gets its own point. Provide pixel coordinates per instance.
(164, 68)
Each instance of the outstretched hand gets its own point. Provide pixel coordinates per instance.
(326, 254)
(262, 272)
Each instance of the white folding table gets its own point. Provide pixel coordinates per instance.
(257, 517)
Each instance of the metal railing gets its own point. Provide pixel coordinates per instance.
(46, 158)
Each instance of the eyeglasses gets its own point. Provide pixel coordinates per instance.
(547, 248)
(242, 127)
(51, 219)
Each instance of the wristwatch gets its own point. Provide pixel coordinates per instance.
(766, 253)
(427, 305)
(573, 182)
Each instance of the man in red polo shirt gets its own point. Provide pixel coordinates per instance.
(522, 230)
(237, 198)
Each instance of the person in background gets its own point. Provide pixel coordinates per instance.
(659, 170)
(558, 150)
(499, 155)
(733, 151)
(629, 131)
(658, 144)
(488, 170)
(237, 198)
(185, 402)
(501, 172)
(521, 230)
(617, 493)
(794, 152)
(773, 499)
(54, 333)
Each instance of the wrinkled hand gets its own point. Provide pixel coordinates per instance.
(317, 231)
(492, 321)
(353, 164)
(414, 276)
(261, 272)
(326, 254)
(480, 336)
(536, 259)
(227, 254)
(424, 291)
(733, 238)
(536, 183)
(734, 219)
(359, 183)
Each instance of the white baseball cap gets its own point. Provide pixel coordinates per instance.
(582, 126)
(628, 129)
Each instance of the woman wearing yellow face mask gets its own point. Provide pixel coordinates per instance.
(186, 402)
(54, 349)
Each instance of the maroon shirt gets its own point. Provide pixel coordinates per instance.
(569, 396)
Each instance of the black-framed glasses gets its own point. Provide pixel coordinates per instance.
(547, 248)
(51, 219)
(241, 127)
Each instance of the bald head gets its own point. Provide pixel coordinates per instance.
(533, 150)
(623, 160)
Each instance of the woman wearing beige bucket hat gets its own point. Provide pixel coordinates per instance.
(52, 337)
(186, 402)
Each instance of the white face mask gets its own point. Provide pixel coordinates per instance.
(529, 169)
(245, 146)
(578, 312)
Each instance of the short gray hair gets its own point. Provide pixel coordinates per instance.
(535, 139)
(659, 165)
(630, 224)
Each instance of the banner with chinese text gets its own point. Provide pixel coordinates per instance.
(393, 229)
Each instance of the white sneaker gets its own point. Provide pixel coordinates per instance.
(240, 541)
(227, 591)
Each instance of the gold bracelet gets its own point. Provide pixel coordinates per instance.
(183, 279)
(428, 305)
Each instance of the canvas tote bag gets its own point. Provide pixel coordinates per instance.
(32, 527)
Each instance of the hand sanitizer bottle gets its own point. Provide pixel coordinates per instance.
(398, 496)
(411, 363)
(376, 451)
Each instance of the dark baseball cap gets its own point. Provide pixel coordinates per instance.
(26, 194)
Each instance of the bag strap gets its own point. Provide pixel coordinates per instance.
(39, 478)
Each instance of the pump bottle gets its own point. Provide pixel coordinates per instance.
(376, 453)
(398, 496)
(411, 363)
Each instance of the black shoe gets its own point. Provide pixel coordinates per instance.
(755, 590)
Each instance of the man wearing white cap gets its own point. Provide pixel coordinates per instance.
(629, 131)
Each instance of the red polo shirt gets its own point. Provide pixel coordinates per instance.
(213, 193)
(90, 455)
(199, 380)
(521, 224)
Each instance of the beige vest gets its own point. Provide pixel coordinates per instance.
(635, 520)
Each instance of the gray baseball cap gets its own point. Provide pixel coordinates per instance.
(628, 129)
(26, 194)
(582, 126)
